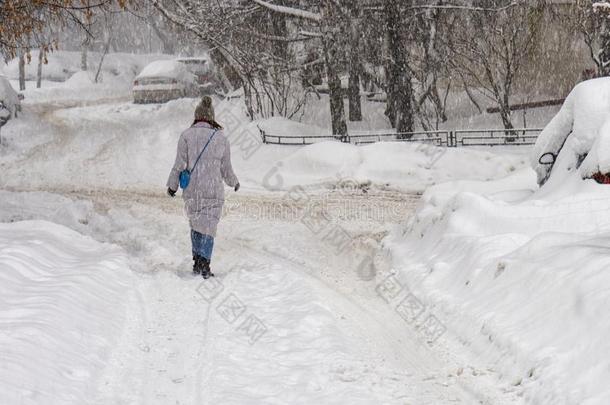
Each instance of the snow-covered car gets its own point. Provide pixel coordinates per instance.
(165, 80)
(5, 114)
(202, 69)
(9, 97)
(578, 137)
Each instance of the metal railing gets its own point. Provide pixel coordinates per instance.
(447, 138)
(296, 140)
(495, 137)
(438, 138)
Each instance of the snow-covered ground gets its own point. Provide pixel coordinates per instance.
(520, 276)
(63, 305)
(326, 336)
(490, 293)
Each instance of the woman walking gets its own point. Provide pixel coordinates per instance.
(203, 162)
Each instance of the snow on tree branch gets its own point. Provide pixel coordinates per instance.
(295, 12)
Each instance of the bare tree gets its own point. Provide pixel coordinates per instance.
(21, 69)
(490, 47)
(22, 22)
(354, 61)
(399, 85)
(591, 18)
(332, 31)
(41, 60)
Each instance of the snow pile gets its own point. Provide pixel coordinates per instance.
(80, 79)
(410, 166)
(62, 306)
(582, 127)
(521, 277)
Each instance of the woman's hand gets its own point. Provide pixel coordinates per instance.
(171, 192)
(237, 186)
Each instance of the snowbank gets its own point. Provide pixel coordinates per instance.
(62, 306)
(521, 276)
(409, 166)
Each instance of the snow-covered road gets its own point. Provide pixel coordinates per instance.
(296, 315)
(327, 335)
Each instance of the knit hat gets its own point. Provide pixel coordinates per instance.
(204, 110)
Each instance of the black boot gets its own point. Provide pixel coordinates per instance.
(197, 265)
(205, 268)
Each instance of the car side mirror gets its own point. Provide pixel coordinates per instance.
(547, 158)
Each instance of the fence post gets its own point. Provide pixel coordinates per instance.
(263, 135)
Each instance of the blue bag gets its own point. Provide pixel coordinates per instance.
(185, 175)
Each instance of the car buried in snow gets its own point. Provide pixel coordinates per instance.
(9, 98)
(577, 139)
(165, 80)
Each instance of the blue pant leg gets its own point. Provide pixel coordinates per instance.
(203, 245)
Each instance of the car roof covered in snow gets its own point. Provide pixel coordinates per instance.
(164, 68)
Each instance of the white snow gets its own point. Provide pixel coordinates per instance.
(290, 11)
(329, 338)
(165, 68)
(133, 146)
(514, 273)
(62, 308)
(581, 127)
(407, 166)
(521, 277)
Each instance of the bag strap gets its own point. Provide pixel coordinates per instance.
(204, 148)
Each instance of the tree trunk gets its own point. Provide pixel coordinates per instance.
(331, 25)
(505, 113)
(83, 58)
(21, 70)
(104, 53)
(355, 106)
(398, 76)
(248, 100)
(337, 109)
(279, 29)
(506, 117)
(39, 70)
(604, 53)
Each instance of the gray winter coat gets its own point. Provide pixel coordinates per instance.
(204, 196)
